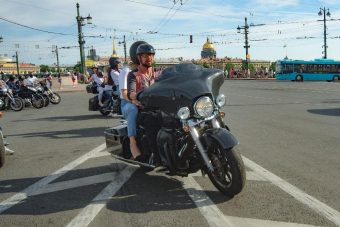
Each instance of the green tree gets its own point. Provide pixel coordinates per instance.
(273, 66)
(251, 67)
(53, 70)
(77, 67)
(44, 68)
(205, 65)
(229, 66)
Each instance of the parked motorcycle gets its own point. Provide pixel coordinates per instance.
(54, 97)
(31, 96)
(13, 102)
(194, 136)
(107, 106)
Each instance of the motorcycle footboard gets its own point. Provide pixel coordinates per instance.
(114, 137)
(131, 161)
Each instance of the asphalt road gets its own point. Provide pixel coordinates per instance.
(61, 175)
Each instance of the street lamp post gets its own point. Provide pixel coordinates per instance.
(16, 61)
(1, 39)
(56, 52)
(246, 31)
(324, 28)
(124, 42)
(81, 41)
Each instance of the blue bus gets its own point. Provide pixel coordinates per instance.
(297, 70)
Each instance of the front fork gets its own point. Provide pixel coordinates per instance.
(194, 134)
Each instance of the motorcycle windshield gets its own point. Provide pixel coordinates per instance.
(180, 86)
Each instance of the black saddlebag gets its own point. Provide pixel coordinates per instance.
(94, 103)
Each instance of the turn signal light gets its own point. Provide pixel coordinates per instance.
(222, 114)
(186, 128)
(0, 115)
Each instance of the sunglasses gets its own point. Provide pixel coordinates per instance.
(147, 55)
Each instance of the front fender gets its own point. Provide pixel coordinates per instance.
(219, 137)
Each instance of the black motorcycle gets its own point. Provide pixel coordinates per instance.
(194, 136)
(13, 102)
(30, 95)
(107, 106)
(54, 97)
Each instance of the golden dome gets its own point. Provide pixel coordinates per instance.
(208, 45)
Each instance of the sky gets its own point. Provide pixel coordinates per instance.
(278, 28)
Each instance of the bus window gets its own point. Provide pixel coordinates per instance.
(297, 68)
(311, 68)
(326, 68)
(319, 68)
(278, 68)
(287, 68)
(303, 68)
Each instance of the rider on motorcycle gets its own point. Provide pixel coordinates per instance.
(98, 78)
(32, 80)
(10, 82)
(111, 79)
(142, 78)
(20, 81)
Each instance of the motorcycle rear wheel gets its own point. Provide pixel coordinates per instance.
(55, 98)
(2, 152)
(17, 106)
(229, 175)
(38, 101)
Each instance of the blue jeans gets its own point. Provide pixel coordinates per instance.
(118, 91)
(130, 112)
(108, 94)
(100, 93)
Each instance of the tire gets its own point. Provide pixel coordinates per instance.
(37, 101)
(55, 98)
(2, 151)
(336, 78)
(46, 99)
(106, 105)
(299, 78)
(229, 176)
(17, 106)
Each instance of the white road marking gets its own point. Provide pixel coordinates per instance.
(319, 207)
(17, 198)
(249, 222)
(208, 209)
(75, 183)
(102, 154)
(86, 216)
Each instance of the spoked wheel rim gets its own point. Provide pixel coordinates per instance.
(221, 169)
(17, 105)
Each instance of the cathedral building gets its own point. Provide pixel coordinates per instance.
(208, 50)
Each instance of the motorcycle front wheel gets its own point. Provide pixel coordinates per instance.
(229, 175)
(46, 99)
(55, 98)
(17, 105)
(38, 101)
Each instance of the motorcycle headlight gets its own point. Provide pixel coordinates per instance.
(10, 91)
(183, 113)
(221, 100)
(204, 107)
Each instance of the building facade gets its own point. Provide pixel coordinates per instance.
(9, 67)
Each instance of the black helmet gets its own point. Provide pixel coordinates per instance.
(21, 77)
(133, 50)
(145, 49)
(114, 61)
(11, 78)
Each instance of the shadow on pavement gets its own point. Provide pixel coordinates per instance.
(94, 116)
(142, 193)
(326, 112)
(73, 133)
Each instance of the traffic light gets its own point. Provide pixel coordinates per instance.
(190, 38)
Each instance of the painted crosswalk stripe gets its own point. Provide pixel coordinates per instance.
(86, 216)
(17, 198)
(319, 207)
